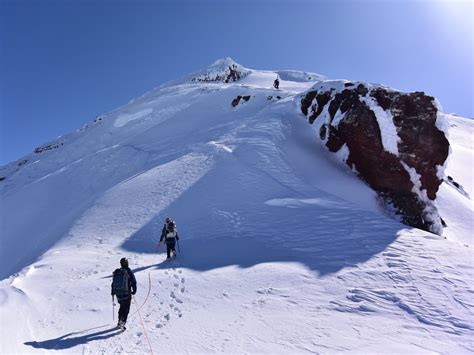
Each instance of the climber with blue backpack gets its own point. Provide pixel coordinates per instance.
(124, 285)
(169, 234)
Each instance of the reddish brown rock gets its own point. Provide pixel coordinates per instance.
(407, 179)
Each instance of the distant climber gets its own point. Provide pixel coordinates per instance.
(169, 234)
(276, 83)
(124, 285)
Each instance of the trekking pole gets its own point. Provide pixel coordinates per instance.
(113, 309)
(177, 242)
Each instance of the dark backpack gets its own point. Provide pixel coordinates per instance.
(121, 284)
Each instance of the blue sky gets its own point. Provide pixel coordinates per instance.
(64, 62)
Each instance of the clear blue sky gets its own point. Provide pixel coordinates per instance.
(64, 62)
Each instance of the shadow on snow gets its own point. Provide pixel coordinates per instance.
(233, 225)
(312, 238)
(71, 340)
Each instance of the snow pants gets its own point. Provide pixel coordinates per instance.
(124, 309)
(170, 247)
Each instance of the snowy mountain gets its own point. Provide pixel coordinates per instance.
(283, 248)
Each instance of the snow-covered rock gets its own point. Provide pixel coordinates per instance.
(392, 140)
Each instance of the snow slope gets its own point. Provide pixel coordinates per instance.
(283, 249)
(456, 202)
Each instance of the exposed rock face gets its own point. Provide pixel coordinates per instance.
(393, 140)
(273, 98)
(46, 147)
(236, 101)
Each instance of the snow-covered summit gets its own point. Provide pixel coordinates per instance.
(222, 70)
(223, 63)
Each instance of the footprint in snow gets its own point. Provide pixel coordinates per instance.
(178, 312)
(173, 296)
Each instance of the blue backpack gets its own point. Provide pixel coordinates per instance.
(121, 284)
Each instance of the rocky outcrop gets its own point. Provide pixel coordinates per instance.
(9, 169)
(457, 186)
(236, 101)
(273, 98)
(46, 147)
(394, 141)
(97, 120)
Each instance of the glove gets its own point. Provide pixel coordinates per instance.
(134, 291)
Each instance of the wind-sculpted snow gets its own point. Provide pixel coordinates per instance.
(275, 234)
(298, 76)
(122, 120)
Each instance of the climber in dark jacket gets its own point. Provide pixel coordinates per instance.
(123, 291)
(169, 234)
(276, 83)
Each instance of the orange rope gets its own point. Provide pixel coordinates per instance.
(143, 325)
(146, 298)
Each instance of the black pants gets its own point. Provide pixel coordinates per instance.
(124, 309)
(170, 246)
